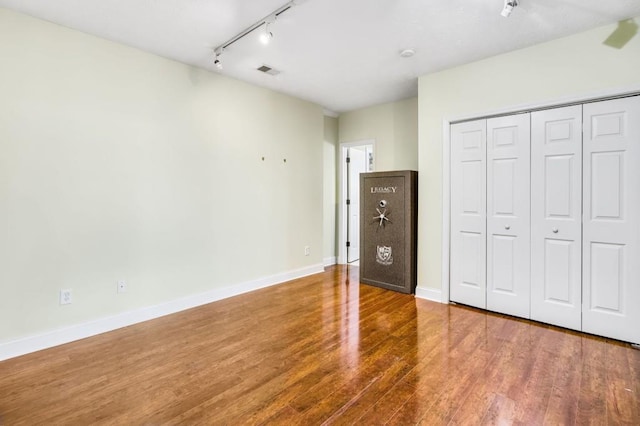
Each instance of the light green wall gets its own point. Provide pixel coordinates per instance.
(116, 163)
(574, 66)
(330, 159)
(394, 127)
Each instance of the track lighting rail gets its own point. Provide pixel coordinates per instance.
(267, 19)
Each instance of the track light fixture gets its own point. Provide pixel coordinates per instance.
(509, 5)
(267, 35)
(264, 37)
(217, 62)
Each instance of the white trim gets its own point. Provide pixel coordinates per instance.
(446, 211)
(330, 113)
(61, 336)
(446, 166)
(553, 103)
(431, 294)
(342, 253)
(328, 261)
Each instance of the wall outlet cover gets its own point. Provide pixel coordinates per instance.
(65, 296)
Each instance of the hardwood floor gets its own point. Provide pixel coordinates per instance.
(325, 349)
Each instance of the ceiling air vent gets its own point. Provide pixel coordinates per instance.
(268, 70)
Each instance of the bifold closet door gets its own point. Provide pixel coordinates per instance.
(611, 224)
(556, 216)
(468, 214)
(508, 215)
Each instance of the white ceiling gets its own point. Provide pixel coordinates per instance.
(341, 54)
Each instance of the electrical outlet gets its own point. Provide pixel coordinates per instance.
(307, 250)
(122, 286)
(65, 296)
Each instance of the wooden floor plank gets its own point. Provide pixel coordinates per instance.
(592, 403)
(501, 411)
(622, 406)
(563, 400)
(326, 349)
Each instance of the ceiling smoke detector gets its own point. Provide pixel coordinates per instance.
(407, 53)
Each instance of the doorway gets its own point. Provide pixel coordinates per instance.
(355, 158)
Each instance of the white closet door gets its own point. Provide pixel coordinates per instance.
(556, 216)
(468, 213)
(611, 227)
(508, 224)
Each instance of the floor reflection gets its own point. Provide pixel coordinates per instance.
(327, 349)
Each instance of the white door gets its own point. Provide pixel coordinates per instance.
(611, 224)
(556, 216)
(508, 215)
(468, 213)
(357, 163)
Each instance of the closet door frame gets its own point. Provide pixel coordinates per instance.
(442, 294)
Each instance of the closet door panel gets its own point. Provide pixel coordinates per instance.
(508, 215)
(556, 216)
(468, 213)
(611, 224)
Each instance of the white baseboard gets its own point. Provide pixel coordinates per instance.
(61, 336)
(435, 295)
(328, 261)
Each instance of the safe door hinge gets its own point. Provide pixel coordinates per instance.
(348, 159)
(348, 244)
(348, 202)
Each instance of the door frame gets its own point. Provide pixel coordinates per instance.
(446, 165)
(342, 189)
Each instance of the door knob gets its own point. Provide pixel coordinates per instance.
(555, 230)
(507, 227)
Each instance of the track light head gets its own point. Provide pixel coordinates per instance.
(217, 62)
(266, 36)
(509, 5)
